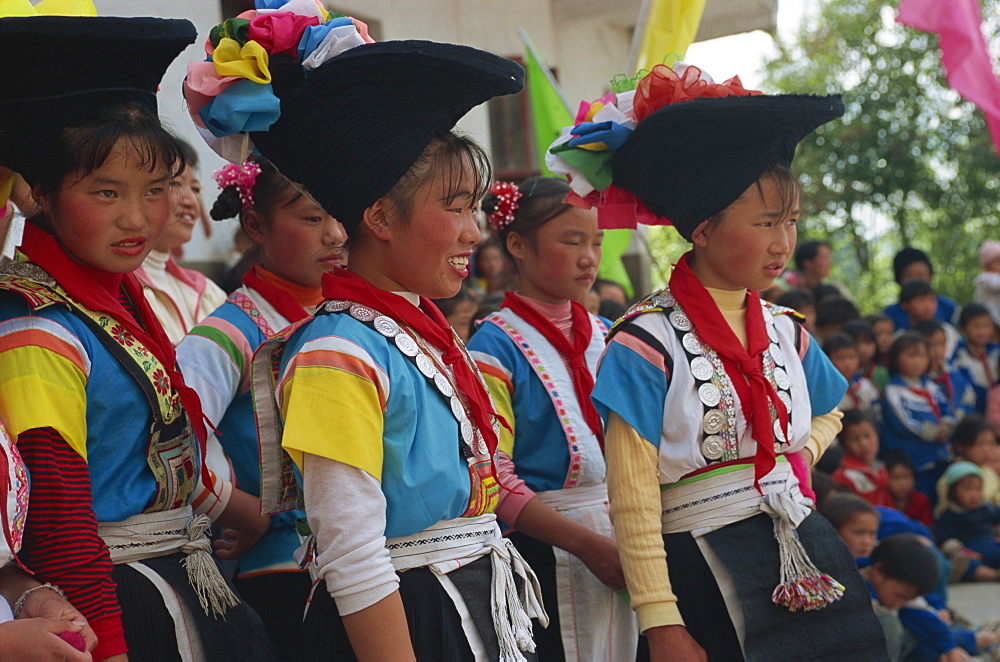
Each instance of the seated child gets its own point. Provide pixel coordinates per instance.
(860, 469)
(902, 569)
(884, 329)
(919, 302)
(976, 353)
(956, 384)
(832, 313)
(917, 417)
(845, 357)
(974, 440)
(905, 499)
(913, 264)
(855, 521)
(861, 331)
(965, 516)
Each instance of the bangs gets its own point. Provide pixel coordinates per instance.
(85, 146)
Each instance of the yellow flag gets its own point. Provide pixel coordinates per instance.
(47, 8)
(670, 27)
(66, 8)
(16, 8)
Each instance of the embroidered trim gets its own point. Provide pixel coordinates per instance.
(575, 456)
(246, 304)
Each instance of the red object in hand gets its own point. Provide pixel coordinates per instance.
(74, 639)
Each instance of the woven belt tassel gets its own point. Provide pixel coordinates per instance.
(214, 595)
(803, 587)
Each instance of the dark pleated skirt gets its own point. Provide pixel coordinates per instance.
(149, 628)
(435, 627)
(844, 630)
(279, 598)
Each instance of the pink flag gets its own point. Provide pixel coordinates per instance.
(963, 51)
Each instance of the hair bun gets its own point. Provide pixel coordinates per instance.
(227, 205)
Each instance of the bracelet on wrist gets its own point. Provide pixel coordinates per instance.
(19, 605)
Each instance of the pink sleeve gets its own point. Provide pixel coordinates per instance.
(516, 495)
(801, 471)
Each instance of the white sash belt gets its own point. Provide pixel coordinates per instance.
(575, 497)
(707, 502)
(452, 544)
(701, 505)
(149, 535)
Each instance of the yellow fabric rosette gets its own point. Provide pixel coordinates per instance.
(599, 146)
(47, 8)
(249, 61)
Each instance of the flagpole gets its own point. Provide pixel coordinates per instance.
(637, 36)
(523, 34)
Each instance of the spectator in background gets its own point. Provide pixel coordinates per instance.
(492, 270)
(919, 303)
(988, 281)
(884, 328)
(609, 290)
(975, 441)
(860, 469)
(832, 313)
(917, 417)
(963, 514)
(843, 354)
(913, 264)
(956, 384)
(803, 303)
(460, 310)
(865, 340)
(902, 479)
(977, 354)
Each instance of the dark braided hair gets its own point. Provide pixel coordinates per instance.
(542, 199)
(269, 189)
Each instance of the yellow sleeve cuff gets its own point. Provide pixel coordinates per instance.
(656, 614)
(825, 429)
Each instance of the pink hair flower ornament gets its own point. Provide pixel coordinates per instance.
(505, 196)
(243, 177)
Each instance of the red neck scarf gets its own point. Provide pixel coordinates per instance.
(574, 353)
(430, 325)
(98, 291)
(744, 366)
(265, 283)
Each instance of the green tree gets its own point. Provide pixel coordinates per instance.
(910, 164)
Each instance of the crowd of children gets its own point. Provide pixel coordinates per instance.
(918, 442)
(410, 435)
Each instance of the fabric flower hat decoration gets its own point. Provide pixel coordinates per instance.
(675, 147)
(231, 92)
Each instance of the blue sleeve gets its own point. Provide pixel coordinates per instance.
(892, 522)
(826, 386)
(632, 381)
(928, 628)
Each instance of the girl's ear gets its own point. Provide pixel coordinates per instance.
(253, 226)
(517, 245)
(376, 220)
(701, 234)
(42, 199)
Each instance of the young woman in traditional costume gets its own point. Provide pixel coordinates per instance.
(179, 297)
(707, 389)
(383, 413)
(539, 356)
(297, 242)
(111, 435)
